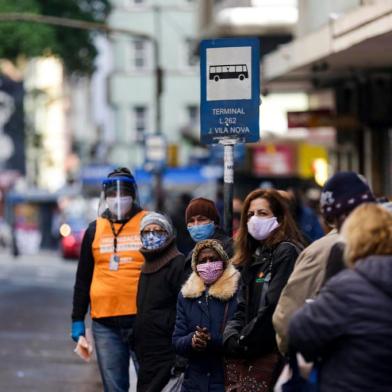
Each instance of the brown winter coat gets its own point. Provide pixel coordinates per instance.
(304, 282)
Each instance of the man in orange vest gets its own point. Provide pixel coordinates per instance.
(107, 278)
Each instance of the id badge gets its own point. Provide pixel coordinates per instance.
(114, 262)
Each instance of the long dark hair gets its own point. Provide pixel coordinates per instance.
(245, 244)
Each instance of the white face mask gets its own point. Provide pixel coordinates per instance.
(119, 206)
(260, 228)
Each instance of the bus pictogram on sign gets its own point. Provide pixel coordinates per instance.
(230, 90)
(228, 71)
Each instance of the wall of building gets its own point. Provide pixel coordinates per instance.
(101, 110)
(315, 14)
(46, 105)
(132, 85)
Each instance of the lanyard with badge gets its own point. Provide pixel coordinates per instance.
(115, 258)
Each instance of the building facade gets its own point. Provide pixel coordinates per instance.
(342, 48)
(157, 71)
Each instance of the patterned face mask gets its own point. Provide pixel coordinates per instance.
(210, 272)
(153, 240)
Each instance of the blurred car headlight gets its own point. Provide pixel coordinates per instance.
(65, 230)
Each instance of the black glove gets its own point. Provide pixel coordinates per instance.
(180, 365)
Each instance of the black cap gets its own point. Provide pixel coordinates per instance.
(121, 173)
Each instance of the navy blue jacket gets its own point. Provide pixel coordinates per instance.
(197, 307)
(349, 326)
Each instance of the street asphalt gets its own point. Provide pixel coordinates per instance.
(36, 352)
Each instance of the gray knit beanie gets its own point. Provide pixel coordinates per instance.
(157, 219)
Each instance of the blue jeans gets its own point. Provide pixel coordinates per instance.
(113, 353)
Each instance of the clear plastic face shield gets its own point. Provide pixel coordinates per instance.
(118, 196)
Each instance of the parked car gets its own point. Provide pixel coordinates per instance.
(72, 232)
(75, 213)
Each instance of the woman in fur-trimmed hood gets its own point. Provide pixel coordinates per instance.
(206, 301)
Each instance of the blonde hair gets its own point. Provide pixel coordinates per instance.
(367, 231)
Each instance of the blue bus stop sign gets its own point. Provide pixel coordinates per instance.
(230, 89)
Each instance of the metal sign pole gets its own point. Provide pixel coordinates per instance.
(155, 160)
(228, 183)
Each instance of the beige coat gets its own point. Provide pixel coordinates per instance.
(304, 282)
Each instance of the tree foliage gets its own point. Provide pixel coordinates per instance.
(75, 47)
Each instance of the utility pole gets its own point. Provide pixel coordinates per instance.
(159, 204)
(228, 183)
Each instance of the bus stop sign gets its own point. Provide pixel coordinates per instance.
(230, 90)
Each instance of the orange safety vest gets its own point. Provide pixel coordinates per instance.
(113, 293)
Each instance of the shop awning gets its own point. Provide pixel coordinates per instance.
(359, 39)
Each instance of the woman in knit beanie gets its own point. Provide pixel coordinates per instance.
(206, 302)
(159, 284)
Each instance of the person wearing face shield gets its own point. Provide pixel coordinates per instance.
(266, 248)
(107, 278)
(203, 222)
(159, 285)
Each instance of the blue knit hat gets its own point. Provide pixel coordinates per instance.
(342, 193)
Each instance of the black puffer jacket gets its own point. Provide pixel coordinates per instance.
(349, 326)
(252, 323)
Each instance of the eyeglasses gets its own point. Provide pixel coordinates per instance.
(158, 232)
(207, 259)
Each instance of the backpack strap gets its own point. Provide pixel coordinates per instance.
(297, 248)
(268, 277)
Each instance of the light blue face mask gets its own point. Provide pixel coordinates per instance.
(202, 232)
(153, 240)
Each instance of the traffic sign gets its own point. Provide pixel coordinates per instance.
(230, 89)
(155, 150)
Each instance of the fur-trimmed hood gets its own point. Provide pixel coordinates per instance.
(223, 289)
